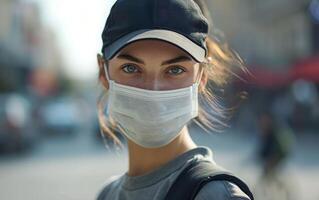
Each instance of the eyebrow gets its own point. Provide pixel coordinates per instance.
(176, 60)
(130, 58)
(167, 62)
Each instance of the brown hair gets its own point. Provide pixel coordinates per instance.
(222, 64)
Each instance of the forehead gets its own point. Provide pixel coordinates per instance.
(152, 47)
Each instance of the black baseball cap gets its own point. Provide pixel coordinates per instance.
(179, 22)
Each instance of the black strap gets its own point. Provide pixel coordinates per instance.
(196, 175)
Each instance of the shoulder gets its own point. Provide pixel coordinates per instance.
(110, 183)
(222, 190)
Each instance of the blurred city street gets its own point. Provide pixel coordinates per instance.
(76, 167)
(50, 83)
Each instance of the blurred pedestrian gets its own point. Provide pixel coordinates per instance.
(276, 142)
(157, 61)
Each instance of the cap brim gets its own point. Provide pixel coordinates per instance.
(179, 40)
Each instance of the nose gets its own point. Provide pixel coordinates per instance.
(152, 83)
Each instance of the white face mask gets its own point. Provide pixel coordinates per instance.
(151, 118)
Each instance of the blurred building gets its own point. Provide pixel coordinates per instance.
(278, 41)
(29, 64)
(25, 44)
(270, 33)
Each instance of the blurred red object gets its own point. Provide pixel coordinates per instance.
(44, 82)
(307, 69)
(266, 78)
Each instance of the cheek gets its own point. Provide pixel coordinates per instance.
(180, 81)
(112, 68)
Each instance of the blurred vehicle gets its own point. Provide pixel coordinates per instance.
(16, 130)
(59, 115)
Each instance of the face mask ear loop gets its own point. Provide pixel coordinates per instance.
(199, 75)
(106, 71)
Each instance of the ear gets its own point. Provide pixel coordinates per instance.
(102, 77)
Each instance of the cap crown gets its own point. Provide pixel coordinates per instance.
(181, 16)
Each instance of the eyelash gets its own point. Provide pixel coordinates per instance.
(125, 66)
(176, 67)
(136, 70)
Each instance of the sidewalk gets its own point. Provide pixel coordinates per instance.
(77, 168)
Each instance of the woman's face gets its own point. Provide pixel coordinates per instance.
(153, 65)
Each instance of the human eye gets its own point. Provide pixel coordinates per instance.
(130, 68)
(176, 70)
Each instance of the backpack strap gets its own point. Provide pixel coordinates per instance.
(196, 175)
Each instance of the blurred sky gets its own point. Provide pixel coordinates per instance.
(78, 26)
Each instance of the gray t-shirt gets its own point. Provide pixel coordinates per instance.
(155, 185)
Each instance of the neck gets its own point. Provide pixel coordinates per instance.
(144, 160)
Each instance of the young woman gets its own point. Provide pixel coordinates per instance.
(157, 61)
